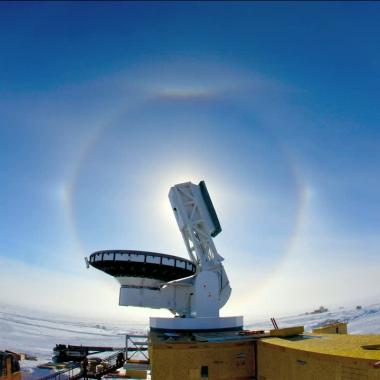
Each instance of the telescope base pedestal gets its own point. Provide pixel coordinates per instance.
(196, 324)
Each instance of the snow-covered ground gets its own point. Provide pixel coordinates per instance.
(363, 321)
(37, 333)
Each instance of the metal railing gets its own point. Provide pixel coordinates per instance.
(109, 364)
(136, 346)
(72, 373)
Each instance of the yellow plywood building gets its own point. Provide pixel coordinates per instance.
(189, 359)
(319, 357)
(332, 328)
(291, 355)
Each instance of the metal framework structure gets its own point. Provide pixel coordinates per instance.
(136, 345)
(198, 223)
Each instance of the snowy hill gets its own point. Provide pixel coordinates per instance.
(37, 333)
(363, 321)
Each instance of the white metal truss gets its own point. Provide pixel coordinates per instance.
(195, 225)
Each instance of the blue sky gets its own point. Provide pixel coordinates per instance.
(104, 106)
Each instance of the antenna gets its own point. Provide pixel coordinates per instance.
(194, 289)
